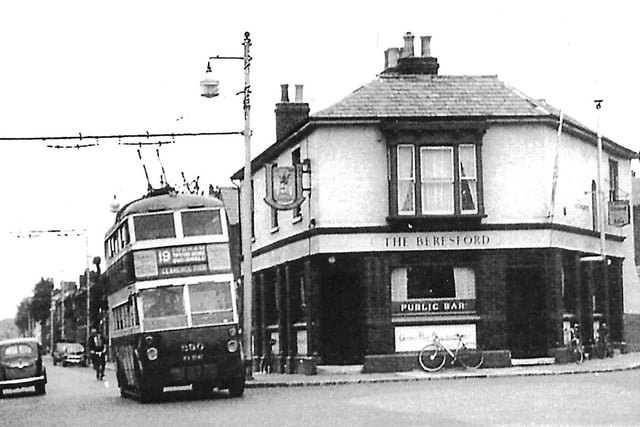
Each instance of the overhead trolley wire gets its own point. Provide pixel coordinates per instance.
(80, 137)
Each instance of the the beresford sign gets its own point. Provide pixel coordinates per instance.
(429, 306)
(437, 240)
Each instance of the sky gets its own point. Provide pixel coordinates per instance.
(132, 67)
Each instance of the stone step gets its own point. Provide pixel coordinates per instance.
(339, 369)
(533, 361)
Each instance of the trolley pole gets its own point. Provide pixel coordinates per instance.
(245, 219)
(88, 289)
(52, 309)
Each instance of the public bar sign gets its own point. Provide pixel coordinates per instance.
(432, 306)
(619, 213)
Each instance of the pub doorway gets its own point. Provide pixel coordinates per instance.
(343, 332)
(526, 316)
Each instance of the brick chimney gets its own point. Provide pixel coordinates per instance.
(403, 61)
(290, 115)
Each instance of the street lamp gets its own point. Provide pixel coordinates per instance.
(210, 89)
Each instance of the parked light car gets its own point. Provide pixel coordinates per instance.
(74, 355)
(21, 365)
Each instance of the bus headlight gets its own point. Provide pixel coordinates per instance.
(232, 346)
(233, 331)
(152, 353)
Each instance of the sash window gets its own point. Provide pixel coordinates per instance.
(435, 180)
(406, 180)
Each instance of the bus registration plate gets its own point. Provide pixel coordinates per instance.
(207, 371)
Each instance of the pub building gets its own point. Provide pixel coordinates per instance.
(424, 203)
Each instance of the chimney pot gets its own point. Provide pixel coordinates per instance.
(299, 93)
(285, 93)
(407, 51)
(426, 46)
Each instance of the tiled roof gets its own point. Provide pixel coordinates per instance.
(397, 95)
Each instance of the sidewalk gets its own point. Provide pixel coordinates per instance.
(620, 362)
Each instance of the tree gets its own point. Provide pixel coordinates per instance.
(23, 315)
(41, 302)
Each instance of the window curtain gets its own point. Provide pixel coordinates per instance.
(468, 180)
(406, 185)
(437, 179)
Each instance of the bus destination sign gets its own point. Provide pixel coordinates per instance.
(171, 261)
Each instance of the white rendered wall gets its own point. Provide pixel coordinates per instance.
(349, 185)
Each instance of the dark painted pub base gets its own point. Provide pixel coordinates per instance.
(336, 309)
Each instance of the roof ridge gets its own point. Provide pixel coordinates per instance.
(433, 76)
(406, 95)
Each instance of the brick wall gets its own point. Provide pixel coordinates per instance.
(377, 283)
(632, 331)
(553, 298)
(491, 294)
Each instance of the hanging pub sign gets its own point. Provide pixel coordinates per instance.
(619, 213)
(284, 186)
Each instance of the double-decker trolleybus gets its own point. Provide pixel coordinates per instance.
(172, 296)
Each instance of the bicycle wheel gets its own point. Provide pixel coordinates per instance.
(431, 359)
(471, 358)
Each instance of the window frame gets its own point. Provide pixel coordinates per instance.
(411, 179)
(439, 181)
(419, 147)
(614, 180)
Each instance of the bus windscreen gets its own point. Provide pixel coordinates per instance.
(211, 303)
(163, 308)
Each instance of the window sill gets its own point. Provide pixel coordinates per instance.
(275, 230)
(297, 219)
(435, 222)
(439, 216)
(421, 319)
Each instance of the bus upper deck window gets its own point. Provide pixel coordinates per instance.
(156, 226)
(201, 222)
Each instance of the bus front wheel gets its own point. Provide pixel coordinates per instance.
(236, 389)
(202, 389)
(149, 394)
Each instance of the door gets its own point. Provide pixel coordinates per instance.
(526, 317)
(342, 320)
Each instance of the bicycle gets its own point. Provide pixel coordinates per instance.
(99, 361)
(603, 347)
(576, 349)
(433, 356)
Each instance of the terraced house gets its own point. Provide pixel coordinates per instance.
(434, 203)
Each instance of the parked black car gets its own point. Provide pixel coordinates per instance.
(21, 365)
